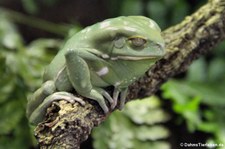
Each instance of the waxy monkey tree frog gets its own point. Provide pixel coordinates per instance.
(115, 52)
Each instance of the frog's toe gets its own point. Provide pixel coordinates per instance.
(106, 95)
(115, 97)
(111, 101)
(101, 102)
(113, 105)
(68, 97)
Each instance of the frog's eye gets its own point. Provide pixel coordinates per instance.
(137, 41)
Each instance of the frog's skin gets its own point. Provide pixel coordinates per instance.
(115, 52)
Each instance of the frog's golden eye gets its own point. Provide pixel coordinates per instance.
(137, 41)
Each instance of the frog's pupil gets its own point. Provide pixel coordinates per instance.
(138, 42)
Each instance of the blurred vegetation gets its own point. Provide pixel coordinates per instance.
(20, 71)
(137, 126)
(198, 98)
(191, 104)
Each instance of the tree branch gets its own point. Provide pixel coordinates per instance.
(68, 125)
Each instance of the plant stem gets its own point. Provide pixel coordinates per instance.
(59, 29)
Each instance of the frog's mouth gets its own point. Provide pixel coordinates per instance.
(122, 57)
(136, 57)
(125, 57)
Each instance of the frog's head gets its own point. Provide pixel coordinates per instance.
(127, 38)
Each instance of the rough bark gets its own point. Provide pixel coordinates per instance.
(67, 125)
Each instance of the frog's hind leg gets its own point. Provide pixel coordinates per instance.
(39, 113)
(37, 98)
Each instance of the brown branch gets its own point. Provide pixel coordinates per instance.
(67, 125)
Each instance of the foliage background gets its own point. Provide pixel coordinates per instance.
(189, 108)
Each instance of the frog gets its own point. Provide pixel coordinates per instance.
(115, 52)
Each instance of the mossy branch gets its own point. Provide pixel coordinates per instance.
(67, 125)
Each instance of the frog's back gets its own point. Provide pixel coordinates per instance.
(58, 63)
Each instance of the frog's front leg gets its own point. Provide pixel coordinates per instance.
(79, 75)
(39, 95)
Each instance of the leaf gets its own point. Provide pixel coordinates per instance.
(151, 145)
(212, 94)
(11, 117)
(122, 137)
(209, 127)
(181, 91)
(123, 131)
(9, 36)
(145, 133)
(148, 107)
(117, 133)
(175, 91)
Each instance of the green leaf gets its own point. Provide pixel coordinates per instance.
(123, 131)
(209, 127)
(175, 91)
(145, 133)
(151, 145)
(9, 36)
(212, 94)
(11, 117)
(182, 91)
(118, 133)
(148, 107)
(190, 105)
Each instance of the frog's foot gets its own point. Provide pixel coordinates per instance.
(106, 95)
(39, 113)
(109, 99)
(122, 98)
